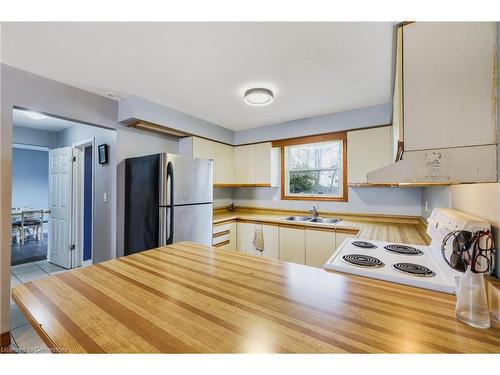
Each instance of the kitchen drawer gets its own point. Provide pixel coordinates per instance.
(224, 236)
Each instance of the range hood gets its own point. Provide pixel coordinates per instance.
(444, 105)
(440, 166)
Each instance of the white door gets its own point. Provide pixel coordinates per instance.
(60, 204)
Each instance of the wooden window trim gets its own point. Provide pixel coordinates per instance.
(338, 136)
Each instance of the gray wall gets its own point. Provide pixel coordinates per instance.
(354, 119)
(434, 197)
(134, 107)
(222, 197)
(33, 137)
(373, 200)
(30, 178)
(26, 90)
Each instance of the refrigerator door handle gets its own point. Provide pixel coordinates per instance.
(170, 177)
(162, 224)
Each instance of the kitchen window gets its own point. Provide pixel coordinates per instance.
(314, 168)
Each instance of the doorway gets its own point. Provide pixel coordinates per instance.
(83, 192)
(72, 220)
(52, 195)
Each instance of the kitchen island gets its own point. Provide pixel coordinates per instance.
(189, 298)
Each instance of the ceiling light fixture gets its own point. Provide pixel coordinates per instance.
(258, 97)
(35, 115)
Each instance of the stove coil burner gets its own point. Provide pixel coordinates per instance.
(364, 244)
(414, 269)
(403, 249)
(363, 260)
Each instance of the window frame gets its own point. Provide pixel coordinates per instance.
(337, 136)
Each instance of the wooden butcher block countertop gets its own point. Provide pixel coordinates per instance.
(389, 228)
(188, 298)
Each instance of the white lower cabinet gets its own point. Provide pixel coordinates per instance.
(320, 245)
(224, 236)
(312, 247)
(246, 233)
(341, 235)
(292, 245)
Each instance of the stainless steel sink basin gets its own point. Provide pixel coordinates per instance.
(298, 218)
(319, 220)
(324, 220)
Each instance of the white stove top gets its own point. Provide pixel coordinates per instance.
(442, 276)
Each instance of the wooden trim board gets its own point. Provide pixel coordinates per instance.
(219, 223)
(223, 243)
(399, 219)
(338, 136)
(240, 185)
(4, 339)
(220, 234)
(396, 185)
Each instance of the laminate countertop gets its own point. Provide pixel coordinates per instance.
(189, 298)
(399, 229)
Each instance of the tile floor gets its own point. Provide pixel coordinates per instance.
(31, 251)
(24, 338)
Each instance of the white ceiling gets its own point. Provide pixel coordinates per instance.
(203, 68)
(49, 124)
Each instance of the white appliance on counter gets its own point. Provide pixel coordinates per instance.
(415, 265)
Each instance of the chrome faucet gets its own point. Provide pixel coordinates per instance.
(314, 211)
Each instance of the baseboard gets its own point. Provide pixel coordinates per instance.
(87, 263)
(4, 339)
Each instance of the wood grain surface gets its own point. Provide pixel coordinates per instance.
(409, 230)
(188, 298)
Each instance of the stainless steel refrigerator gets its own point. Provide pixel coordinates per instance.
(168, 198)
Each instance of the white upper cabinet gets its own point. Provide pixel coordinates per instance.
(203, 148)
(248, 165)
(224, 164)
(263, 163)
(221, 154)
(367, 150)
(449, 84)
(244, 165)
(256, 164)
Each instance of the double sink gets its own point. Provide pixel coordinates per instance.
(312, 219)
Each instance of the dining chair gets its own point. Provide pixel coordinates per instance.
(30, 219)
(34, 220)
(16, 227)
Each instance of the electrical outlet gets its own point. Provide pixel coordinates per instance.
(105, 197)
